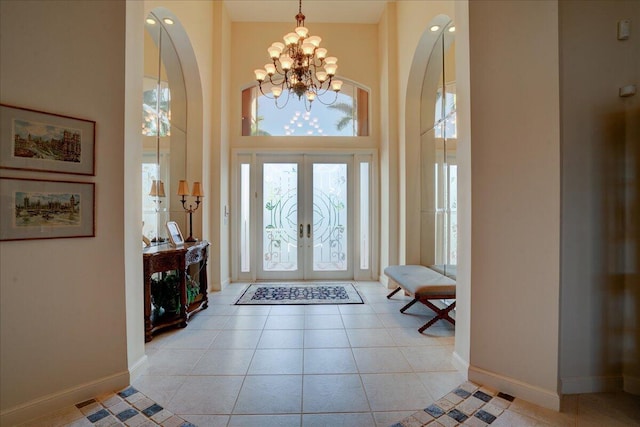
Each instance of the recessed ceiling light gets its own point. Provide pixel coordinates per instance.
(435, 28)
(452, 29)
(150, 21)
(168, 21)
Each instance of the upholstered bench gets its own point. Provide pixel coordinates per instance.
(424, 285)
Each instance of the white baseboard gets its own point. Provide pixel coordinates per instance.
(384, 280)
(69, 397)
(539, 396)
(138, 368)
(460, 364)
(221, 286)
(579, 385)
(631, 384)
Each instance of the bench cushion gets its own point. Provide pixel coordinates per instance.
(420, 280)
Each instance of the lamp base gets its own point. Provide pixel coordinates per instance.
(191, 239)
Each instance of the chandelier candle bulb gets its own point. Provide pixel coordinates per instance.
(300, 67)
(260, 74)
(274, 52)
(315, 40)
(331, 69)
(291, 39)
(286, 62)
(308, 48)
(270, 69)
(302, 32)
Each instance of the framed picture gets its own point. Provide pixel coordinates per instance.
(39, 141)
(39, 209)
(175, 235)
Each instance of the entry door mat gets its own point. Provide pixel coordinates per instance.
(299, 294)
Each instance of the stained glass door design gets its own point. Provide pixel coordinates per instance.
(305, 218)
(280, 218)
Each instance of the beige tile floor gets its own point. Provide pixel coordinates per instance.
(335, 365)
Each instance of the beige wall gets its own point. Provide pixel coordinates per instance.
(389, 162)
(62, 304)
(515, 239)
(600, 199)
(219, 150)
(136, 358)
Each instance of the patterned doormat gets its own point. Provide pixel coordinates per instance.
(299, 294)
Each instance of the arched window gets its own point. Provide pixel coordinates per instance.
(347, 116)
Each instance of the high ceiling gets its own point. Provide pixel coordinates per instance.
(316, 11)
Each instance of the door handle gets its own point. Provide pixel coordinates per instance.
(301, 231)
(309, 231)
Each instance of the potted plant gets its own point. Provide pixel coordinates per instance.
(193, 290)
(165, 293)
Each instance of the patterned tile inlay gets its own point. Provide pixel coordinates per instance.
(128, 407)
(467, 405)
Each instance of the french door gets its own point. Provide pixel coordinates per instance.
(304, 217)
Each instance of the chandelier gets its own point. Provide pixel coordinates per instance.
(300, 66)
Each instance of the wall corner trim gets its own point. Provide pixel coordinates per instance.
(517, 388)
(460, 364)
(68, 397)
(138, 368)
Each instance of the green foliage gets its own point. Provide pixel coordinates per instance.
(165, 293)
(193, 289)
(255, 127)
(347, 110)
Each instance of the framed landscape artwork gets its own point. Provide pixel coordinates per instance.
(39, 141)
(39, 209)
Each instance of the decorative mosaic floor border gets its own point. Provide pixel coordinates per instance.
(469, 404)
(131, 408)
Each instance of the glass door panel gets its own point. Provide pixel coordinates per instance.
(280, 225)
(304, 224)
(330, 217)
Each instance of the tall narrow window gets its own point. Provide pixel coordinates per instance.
(245, 217)
(365, 215)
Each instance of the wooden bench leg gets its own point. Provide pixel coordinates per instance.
(395, 291)
(440, 314)
(403, 309)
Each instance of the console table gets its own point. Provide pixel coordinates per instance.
(165, 258)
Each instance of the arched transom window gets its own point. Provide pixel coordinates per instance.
(348, 116)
